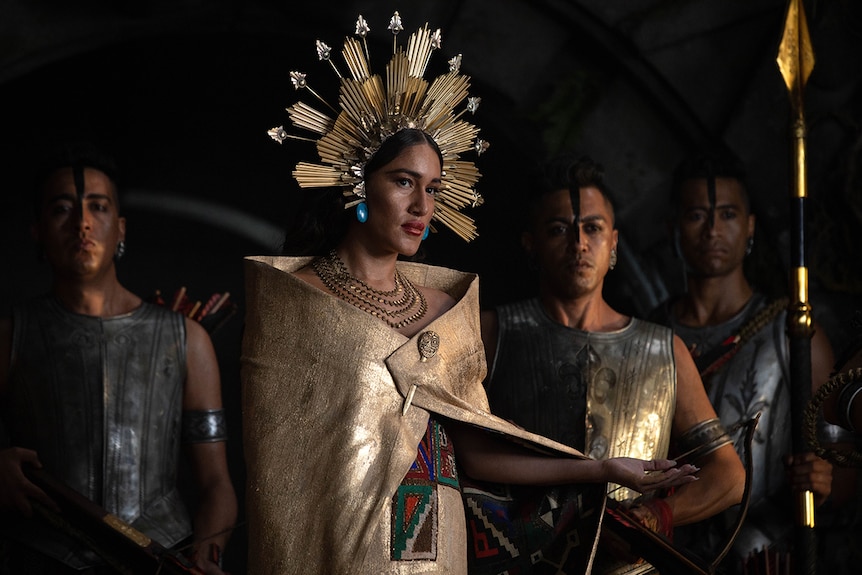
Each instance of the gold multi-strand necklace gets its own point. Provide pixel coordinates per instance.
(398, 307)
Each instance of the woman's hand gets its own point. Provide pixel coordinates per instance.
(644, 476)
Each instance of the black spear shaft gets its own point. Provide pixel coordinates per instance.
(796, 60)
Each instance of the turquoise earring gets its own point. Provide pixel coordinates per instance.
(362, 212)
(425, 233)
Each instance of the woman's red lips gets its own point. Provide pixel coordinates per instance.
(414, 228)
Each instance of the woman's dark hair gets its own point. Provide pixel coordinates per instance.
(321, 221)
(391, 148)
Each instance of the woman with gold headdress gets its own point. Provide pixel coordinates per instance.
(364, 413)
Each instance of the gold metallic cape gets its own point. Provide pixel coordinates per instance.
(326, 444)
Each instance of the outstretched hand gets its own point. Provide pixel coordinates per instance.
(15, 489)
(644, 476)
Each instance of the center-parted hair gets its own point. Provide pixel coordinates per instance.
(320, 222)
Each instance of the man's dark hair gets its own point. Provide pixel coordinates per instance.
(77, 153)
(568, 172)
(706, 165)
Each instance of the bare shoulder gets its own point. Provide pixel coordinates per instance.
(488, 318)
(680, 350)
(822, 357)
(199, 346)
(489, 323)
(195, 333)
(692, 404)
(687, 374)
(203, 384)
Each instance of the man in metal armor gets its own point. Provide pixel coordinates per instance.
(100, 390)
(737, 338)
(568, 366)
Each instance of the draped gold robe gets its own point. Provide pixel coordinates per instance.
(326, 438)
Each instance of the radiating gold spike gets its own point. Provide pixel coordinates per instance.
(354, 56)
(316, 176)
(417, 46)
(460, 144)
(413, 96)
(465, 179)
(396, 74)
(376, 96)
(458, 192)
(461, 184)
(462, 166)
(449, 87)
(361, 100)
(457, 139)
(372, 108)
(304, 116)
(459, 223)
(422, 43)
(442, 98)
(352, 102)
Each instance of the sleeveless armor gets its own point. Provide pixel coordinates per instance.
(756, 379)
(104, 402)
(612, 394)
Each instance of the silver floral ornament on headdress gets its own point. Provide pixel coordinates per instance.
(372, 109)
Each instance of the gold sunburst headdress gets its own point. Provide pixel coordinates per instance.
(372, 110)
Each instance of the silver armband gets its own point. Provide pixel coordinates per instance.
(702, 439)
(829, 433)
(846, 398)
(204, 426)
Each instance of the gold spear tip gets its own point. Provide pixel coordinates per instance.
(795, 53)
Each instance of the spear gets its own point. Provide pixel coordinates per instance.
(796, 60)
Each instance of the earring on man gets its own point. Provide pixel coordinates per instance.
(121, 250)
(362, 212)
(749, 245)
(613, 263)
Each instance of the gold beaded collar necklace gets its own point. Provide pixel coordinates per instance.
(398, 307)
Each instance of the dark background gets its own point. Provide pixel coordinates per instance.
(183, 92)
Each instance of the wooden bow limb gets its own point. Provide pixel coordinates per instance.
(660, 551)
(119, 544)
